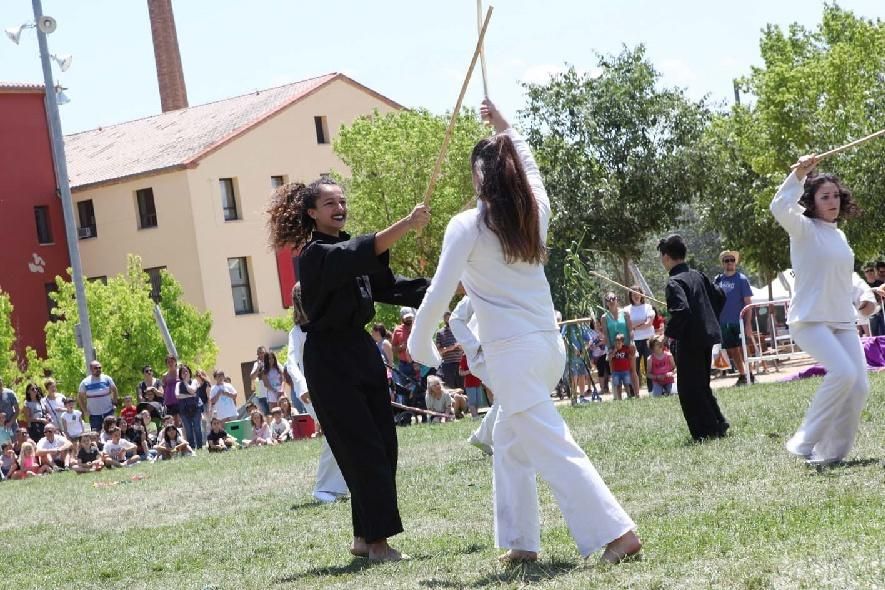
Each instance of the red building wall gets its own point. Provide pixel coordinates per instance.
(27, 180)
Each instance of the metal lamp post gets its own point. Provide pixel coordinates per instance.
(64, 187)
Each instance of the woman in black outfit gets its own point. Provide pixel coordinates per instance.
(341, 279)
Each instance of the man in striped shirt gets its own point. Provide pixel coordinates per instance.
(97, 395)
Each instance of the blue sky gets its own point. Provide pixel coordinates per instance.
(414, 52)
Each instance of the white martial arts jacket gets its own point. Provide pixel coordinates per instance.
(509, 300)
(822, 260)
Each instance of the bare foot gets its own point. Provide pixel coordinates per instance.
(518, 556)
(381, 551)
(359, 547)
(625, 547)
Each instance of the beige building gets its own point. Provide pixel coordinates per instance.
(186, 191)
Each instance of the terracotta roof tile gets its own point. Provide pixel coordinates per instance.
(174, 139)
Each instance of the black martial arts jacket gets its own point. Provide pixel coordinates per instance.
(342, 278)
(694, 303)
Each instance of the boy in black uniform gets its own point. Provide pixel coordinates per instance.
(694, 304)
(341, 279)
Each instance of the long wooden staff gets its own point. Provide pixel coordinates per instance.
(847, 146)
(445, 145)
(482, 50)
(605, 278)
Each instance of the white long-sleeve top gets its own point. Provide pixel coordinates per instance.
(465, 328)
(822, 261)
(295, 360)
(862, 293)
(509, 299)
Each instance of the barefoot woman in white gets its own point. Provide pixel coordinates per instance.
(497, 250)
(821, 317)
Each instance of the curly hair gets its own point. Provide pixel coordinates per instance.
(848, 207)
(512, 212)
(288, 222)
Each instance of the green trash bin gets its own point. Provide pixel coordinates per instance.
(239, 429)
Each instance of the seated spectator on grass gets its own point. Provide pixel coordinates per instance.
(153, 404)
(72, 424)
(33, 411)
(286, 408)
(223, 399)
(135, 434)
(8, 461)
(129, 410)
(173, 444)
(120, 452)
(437, 399)
(89, 457)
(21, 437)
(151, 430)
(219, 440)
(106, 424)
(261, 434)
(27, 462)
(53, 449)
(280, 430)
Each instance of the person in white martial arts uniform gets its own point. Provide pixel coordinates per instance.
(466, 331)
(330, 484)
(821, 316)
(497, 251)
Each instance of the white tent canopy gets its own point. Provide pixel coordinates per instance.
(781, 287)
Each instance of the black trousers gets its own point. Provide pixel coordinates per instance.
(699, 406)
(643, 350)
(348, 387)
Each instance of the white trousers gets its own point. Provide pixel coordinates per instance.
(830, 425)
(484, 433)
(329, 477)
(533, 439)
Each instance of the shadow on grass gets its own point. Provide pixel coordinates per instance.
(354, 566)
(837, 467)
(314, 504)
(524, 573)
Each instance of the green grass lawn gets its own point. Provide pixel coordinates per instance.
(734, 513)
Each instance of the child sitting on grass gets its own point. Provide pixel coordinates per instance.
(661, 368)
(8, 460)
(280, 430)
(120, 452)
(172, 443)
(261, 434)
(89, 458)
(219, 440)
(27, 461)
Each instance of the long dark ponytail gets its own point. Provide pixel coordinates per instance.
(511, 211)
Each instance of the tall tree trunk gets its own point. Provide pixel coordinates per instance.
(627, 277)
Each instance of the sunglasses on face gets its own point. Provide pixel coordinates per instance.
(728, 260)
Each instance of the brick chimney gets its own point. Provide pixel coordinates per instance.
(170, 75)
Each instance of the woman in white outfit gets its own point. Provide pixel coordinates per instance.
(497, 251)
(821, 316)
(330, 482)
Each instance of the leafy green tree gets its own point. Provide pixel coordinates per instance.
(390, 158)
(618, 153)
(815, 90)
(124, 332)
(16, 372)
